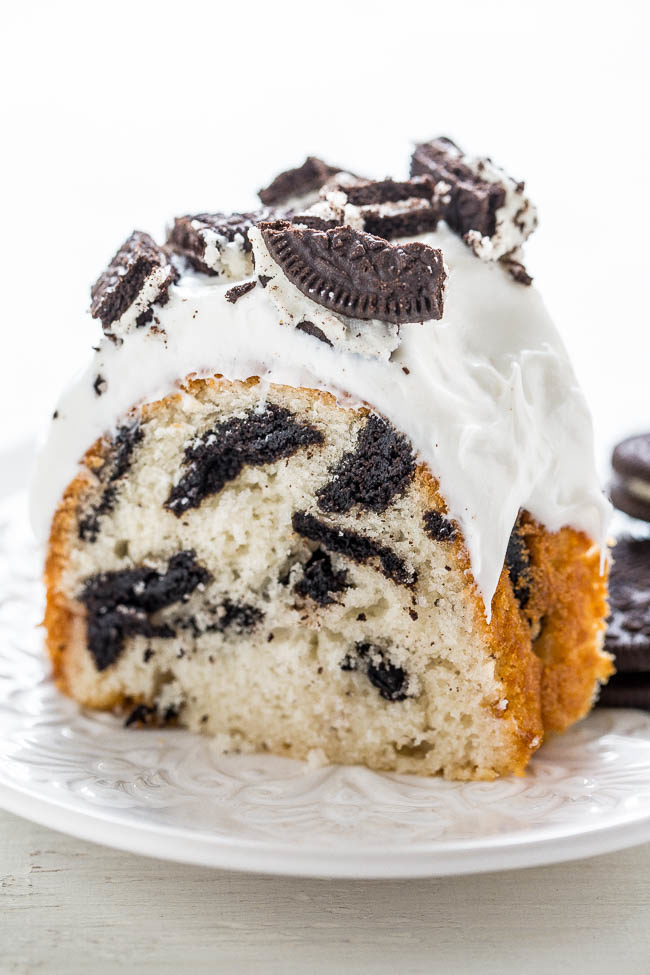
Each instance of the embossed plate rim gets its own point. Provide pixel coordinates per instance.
(404, 862)
(86, 776)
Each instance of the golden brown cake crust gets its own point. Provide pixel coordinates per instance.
(549, 682)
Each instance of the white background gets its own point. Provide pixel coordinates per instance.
(121, 115)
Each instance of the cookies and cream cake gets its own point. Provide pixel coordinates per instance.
(327, 487)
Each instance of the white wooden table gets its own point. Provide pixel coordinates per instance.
(72, 907)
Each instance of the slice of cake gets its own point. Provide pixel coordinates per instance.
(327, 487)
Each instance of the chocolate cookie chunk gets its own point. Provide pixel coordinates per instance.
(515, 269)
(517, 563)
(299, 182)
(358, 548)
(390, 680)
(139, 275)
(373, 474)
(310, 329)
(438, 527)
(626, 691)
(477, 199)
(470, 203)
(357, 275)
(628, 632)
(204, 239)
(320, 579)
(391, 208)
(630, 488)
(229, 616)
(119, 603)
(219, 455)
(116, 465)
(239, 290)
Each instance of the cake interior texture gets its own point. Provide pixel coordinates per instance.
(263, 564)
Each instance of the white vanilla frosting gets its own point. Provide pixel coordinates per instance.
(486, 395)
(344, 334)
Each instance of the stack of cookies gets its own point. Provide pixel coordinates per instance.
(628, 635)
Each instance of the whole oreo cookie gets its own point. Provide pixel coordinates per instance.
(630, 488)
(358, 275)
(628, 633)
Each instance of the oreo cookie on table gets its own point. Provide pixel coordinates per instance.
(357, 275)
(628, 633)
(139, 276)
(630, 487)
(216, 243)
(297, 184)
(477, 199)
(626, 691)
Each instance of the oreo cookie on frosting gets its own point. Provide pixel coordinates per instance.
(387, 208)
(356, 288)
(216, 243)
(630, 487)
(298, 187)
(478, 200)
(139, 276)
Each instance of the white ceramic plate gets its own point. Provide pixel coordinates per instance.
(171, 795)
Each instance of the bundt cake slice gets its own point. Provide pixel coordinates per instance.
(342, 508)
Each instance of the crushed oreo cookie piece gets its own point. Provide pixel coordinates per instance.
(116, 465)
(477, 199)
(373, 474)
(100, 385)
(390, 680)
(139, 275)
(236, 616)
(119, 603)
(239, 290)
(438, 527)
(216, 243)
(219, 455)
(316, 222)
(320, 579)
(358, 548)
(628, 630)
(387, 208)
(518, 565)
(516, 269)
(357, 275)
(315, 331)
(303, 181)
(469, 203)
